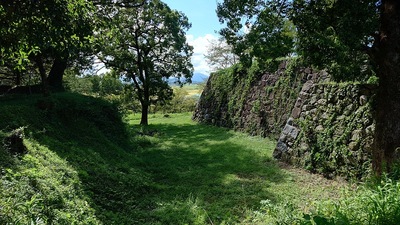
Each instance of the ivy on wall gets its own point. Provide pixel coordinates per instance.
(251, 99)
(332, 130)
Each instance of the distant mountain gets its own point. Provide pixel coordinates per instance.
(199, 78)
(196, 79)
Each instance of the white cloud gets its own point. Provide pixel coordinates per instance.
(200, 46)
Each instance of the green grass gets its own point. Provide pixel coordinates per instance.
(80, 168)
(225, 174)
(85, 166)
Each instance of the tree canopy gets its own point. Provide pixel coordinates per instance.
(220, 55)
(255, 28)
(334, 35)
(147, 45)
(45, 34)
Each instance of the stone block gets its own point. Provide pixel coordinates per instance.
(303, 95)
(319, 128)
(290, 121)
(356, 135)
(370, 129)
(290, 131)
(307, 86)
(353, 146)
(322, 102)
(296, 112)
(313, 100)
(363, 100)
(298, 103)
(280, 148)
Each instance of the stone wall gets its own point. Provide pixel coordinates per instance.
(323, 126)
(330, 130)
(259, 105)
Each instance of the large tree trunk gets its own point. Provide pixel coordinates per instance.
(56, 74)
(387, 131)
(145, 114)
(43, 77)
(18, 77)
(146, 101)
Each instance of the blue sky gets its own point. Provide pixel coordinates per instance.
(202, 16)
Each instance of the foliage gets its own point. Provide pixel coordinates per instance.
(375, 205)
(220, 181)
(267, 34)
(41, 188)
(219, 55)
(146, 46)
(368, 205)
(353, 40)
(105, 86)
(336, 134)
(180, 102)
(336, 35)
(182, 212)
(322, 32)
(227, 98)
(83, 173)
(83, 85)
(44, 34)
(271, 214)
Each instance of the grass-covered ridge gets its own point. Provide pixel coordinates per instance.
(79, 167)
(83, 165)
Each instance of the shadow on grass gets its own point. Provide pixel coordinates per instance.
(212, 164)
(216, 170)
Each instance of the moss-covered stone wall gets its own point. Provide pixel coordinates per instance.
(330, 130)
(323, 126)
(251, 101)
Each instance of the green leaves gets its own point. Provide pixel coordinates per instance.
(146, 46)
(219, 55)
(257, 29)
(334, 35)
(56, 28)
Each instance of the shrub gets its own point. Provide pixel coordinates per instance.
(377, 205)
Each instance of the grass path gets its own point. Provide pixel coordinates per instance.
(205, 174)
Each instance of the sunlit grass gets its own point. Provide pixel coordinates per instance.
(224, 173)
(84, 164)
(192, 89)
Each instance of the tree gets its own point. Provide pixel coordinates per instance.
(220, 55)
(345, 37)
(147, 45)
(257, 29)
(46, 34)
(385, 53)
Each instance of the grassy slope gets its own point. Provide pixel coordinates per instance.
(80, 165)
(84, 167)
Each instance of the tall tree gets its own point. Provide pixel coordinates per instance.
(220, 55)
(385, 54)
(147, 45)
(257, 29)
(53, 32)
(346, 37)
